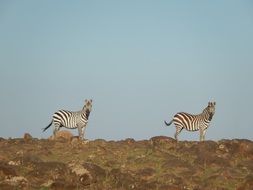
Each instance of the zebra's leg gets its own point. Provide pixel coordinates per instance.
(83, 131)
(178, 130)
(202, 134)
(80, 132)
(56, 128)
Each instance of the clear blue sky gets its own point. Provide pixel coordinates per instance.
(140, 61)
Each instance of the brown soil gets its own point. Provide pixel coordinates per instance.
(157, 163)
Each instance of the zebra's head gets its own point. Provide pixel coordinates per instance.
(87, 107)
(211, 109)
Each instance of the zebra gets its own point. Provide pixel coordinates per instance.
(193, 122)
(72, 120)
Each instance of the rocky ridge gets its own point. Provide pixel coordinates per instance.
(157, 163)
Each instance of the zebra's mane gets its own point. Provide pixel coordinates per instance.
(87, 112)
(207, 114)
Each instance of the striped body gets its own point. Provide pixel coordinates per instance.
(72, 120)
(191, 122)
(69, 119)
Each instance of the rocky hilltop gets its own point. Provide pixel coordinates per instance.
(157, 163)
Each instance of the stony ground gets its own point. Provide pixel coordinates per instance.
(157, 163)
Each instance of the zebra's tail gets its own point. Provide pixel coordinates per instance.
(47, 126)
(168, 123)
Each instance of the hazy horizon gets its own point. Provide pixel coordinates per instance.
(140, 61)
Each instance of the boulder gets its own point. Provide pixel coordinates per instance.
(64, 134)
(27, 137)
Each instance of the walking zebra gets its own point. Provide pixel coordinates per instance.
(72, 120)
(194, 122)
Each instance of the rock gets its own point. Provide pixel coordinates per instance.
(17, 181)
(27, 137)
(78, 169)
(158, 163)
(14, 163)
(161, 139)
(63, 134)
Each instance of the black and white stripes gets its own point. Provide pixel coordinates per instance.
(191, 122)
(182, 120)
(72, 120)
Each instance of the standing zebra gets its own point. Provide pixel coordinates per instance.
(72, 120)
(194, 122)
